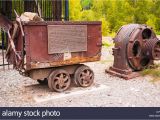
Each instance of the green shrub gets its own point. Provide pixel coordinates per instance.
(153, 71)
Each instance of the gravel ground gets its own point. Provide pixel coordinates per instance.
(16, 90)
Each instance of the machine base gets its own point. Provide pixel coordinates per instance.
(125, 75)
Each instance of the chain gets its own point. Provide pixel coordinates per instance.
(22, 72)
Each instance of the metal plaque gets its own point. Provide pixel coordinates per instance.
(67, 38)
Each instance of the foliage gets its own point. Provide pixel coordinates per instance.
(86, 4)
(115, 13)
(75, 10)
(106, 43)
(153, 71)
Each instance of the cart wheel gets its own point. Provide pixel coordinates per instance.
(43, 82)
(83, 76)
(59, 80)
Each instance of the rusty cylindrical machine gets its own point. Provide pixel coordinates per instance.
(136, 46)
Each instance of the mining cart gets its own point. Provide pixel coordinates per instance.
(54, 51)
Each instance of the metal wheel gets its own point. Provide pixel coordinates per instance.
(83, 76)
(59, 80)
(43, 82)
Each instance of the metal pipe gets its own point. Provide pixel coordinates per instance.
(67, 10)
(4, 65)
(3, 50)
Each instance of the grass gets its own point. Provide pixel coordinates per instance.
(153, 71)
(158, 32)
(107, 44)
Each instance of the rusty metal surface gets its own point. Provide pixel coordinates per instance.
(152, 48)
(36, 45)
(5, 23)
(74, 60)
(67, 38)
(31, 23)
(138, 60)
(126, 76)
(136, 46)
(44, 72)
(12, 55)
(121, 41)
(59, 80)
(83, 76)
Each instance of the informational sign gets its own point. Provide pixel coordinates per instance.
(67, 38)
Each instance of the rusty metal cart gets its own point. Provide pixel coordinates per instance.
(55, 51)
